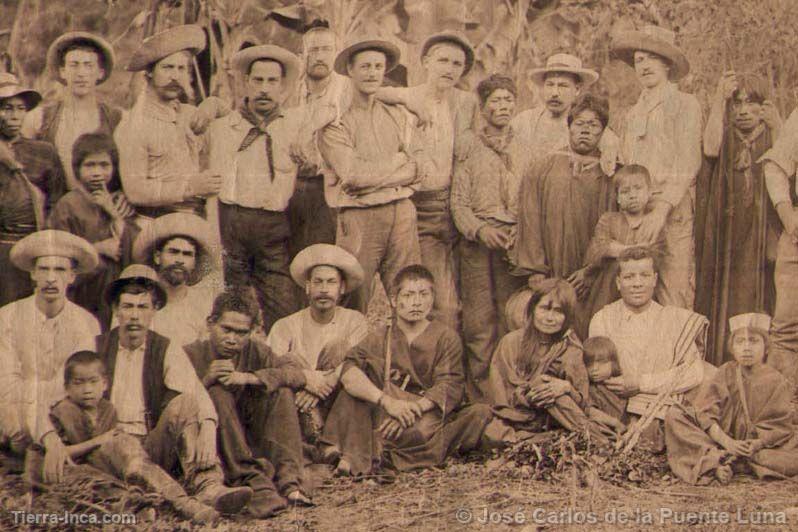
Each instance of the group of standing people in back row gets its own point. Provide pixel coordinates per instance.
(542, 269)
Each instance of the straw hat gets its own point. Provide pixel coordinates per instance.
(390, 50)
(456, 38)
(751, 320)
(654, 39)
(55, 53)
(10, 87)
(53, 243)
(327, 255)
(291, 64)
(189, 37)
(565, 63)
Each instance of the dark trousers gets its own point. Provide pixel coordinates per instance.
(260, 442)
(312, 221)
(255, 245)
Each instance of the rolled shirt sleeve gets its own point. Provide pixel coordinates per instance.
(783, 154)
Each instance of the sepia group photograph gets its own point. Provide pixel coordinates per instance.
(398, 265)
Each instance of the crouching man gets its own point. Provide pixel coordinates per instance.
(259, 434)
(157, 396)
(411, 409)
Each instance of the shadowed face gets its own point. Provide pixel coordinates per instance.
(746, 112)
(548, 316)
(413, 301)
(633, 194)
(748, 347)
(135, 313)
(585, 131)
(176, 261)
(652, 70)
(324, 287)
(499, 108)
(96, 170)
(87, 384)
(171, 76)
(52, 276)
(599, 370)
(559, 92)
(636, 282)
(12, 113)
(367, 70)
(320, 51)
(264, 86)
(230, 333)
(81, 71)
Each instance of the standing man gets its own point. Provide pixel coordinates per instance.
(258, 150)
(37, 335)
(157, 395)
(322, 94)
(662, 132)
(485, 209)
(158, 143)
(322, 334)
(36, 159)
(371, 158)
(251, 388)
(446, 57)
(178, 247)
(81, 62)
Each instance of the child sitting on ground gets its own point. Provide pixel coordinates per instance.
(86, 423)
(601, 361)
(741, 419)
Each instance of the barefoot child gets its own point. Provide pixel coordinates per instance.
(601, 360)
(86, 423)
(98, 211)
(742, 417)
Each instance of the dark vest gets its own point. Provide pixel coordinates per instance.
(109, 119)
(156, 394)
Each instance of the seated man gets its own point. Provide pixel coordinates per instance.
(413, 405)
(157, 396)
(659, 348)
(37, 334)
(251, 389)
(322, 334)
(179, 246)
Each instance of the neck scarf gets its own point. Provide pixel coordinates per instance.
(743, 160)
(499, 144)
(259, 125)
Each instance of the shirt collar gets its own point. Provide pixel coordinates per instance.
(652, 97)
(627, 314)
(138, 350)
(155, 108)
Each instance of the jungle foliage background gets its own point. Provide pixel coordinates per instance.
(749, 36)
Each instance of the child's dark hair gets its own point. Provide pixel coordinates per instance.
(91, 143)
(601, 349)
(629, 171)
(82, 358)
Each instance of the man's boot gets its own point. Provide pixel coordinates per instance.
(156, 479)
(266, 503)
(209, 488)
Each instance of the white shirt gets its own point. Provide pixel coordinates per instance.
(127, 392)
(540, 132)
(185, 321)
(305, 338)
(33, 349)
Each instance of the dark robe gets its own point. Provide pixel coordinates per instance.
(510, 379)
(692, 454)
(430, 367)
(77, 214)
(561, 199)
(42, 166)
(259, 435)
(737, 230)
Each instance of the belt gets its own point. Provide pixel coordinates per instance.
(431, 195)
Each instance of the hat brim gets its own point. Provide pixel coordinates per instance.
(586, 76)
(453, 39)
(53, 243)
(56, 51)
(327, 255)
(116, 286)
(292, 66)
(390, 50)
(625, 46)
(190, 38)
(31, 98)
(176, 225)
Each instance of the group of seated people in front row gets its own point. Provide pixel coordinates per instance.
(225, 423)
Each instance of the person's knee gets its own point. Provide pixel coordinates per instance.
(182, 410)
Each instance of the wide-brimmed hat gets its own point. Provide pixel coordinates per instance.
(654, 39)
(137, 274)
(175, 225)
(751, 320)
(56, 51)
(565, 63)
(356, 46)
(189, 37)
(10, 87)
(54, 243)
(327, 255)
(456, 38)
(291, 64)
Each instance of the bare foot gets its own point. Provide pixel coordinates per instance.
(724, 474)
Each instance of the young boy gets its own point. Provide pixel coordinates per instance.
(86, 423)
(617, 231)
(741, 417)
(98, 211)
(601, 361)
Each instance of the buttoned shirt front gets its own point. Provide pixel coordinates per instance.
(541, 132)
(33, 349)
(158, 152)
(663, 132)
(246, 180)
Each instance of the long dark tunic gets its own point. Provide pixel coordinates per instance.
(737, 229)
